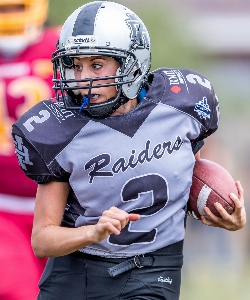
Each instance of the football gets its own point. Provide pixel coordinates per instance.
(210, 183)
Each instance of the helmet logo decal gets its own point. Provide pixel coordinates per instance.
(83, 40)
(203, 109)
(138, 32)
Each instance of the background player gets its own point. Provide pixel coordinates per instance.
(107, 172)
(25, 79)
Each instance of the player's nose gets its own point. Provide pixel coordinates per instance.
(85, 78)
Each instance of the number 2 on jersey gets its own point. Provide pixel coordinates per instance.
(132, 191)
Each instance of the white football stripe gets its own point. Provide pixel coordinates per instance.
(202, 199)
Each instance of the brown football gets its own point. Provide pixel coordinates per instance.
(211, 183)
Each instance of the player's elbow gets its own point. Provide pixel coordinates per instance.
(38, 248)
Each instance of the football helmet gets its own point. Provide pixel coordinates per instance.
(21, 23)
(108, 29)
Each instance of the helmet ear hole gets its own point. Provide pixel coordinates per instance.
(67, 61)
(137, 72)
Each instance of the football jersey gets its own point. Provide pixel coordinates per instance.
(24, 80)
(140, 162)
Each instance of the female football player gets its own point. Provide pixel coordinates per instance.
(113, 158)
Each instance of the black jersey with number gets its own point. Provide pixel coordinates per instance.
(140, 162)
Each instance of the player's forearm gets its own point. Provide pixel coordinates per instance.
(52, 241)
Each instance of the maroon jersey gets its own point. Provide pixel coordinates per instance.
(24, 80)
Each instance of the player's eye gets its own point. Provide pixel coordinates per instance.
(77, 68)
(96, 66)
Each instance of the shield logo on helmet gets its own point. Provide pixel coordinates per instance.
(139, 34)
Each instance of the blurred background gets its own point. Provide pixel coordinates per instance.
(213, 38)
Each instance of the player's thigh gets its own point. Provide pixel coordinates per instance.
(63, 278)
(101, 285)
(151, 283)
(147, 283)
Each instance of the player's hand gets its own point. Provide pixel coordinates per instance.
(235, 221)
(112, 221)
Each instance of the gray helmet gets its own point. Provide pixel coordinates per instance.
(102, 28)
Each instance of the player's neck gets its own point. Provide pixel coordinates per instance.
(125, 108)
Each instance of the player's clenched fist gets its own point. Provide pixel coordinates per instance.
(112, 221)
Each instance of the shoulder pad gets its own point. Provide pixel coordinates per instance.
(187, 91)
(40, 134)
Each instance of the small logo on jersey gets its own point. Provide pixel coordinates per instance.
(58, 110)
(22, 153)
(162, 279)
(176, 79)
(202, 108)
(175, 89)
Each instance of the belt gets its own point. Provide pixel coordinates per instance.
(140, 261)
(170, 256)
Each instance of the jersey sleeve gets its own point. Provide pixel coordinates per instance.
(205, 109)
(196, 146)
(32, 163)
(193, 94)
(39, 135)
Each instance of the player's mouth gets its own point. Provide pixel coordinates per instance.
(94, 97)
(85, 100)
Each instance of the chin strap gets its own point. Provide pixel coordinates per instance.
(122, 101)
(106, 110)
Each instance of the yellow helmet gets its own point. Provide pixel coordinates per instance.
(22, 18)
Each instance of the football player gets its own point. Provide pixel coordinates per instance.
(25, 79)
(113, 157)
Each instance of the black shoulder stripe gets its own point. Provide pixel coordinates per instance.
(85, 21)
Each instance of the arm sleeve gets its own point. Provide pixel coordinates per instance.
(33, 164)
(196, 146)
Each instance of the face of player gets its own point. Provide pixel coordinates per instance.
(96, 66)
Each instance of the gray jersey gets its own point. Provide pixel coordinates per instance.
(141, 162)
